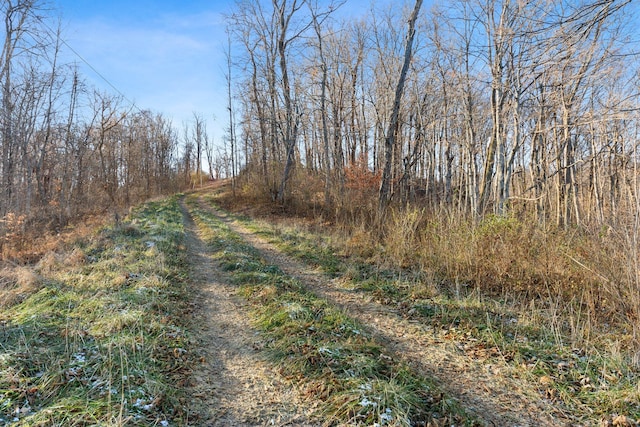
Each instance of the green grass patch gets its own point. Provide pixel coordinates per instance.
(98, 344)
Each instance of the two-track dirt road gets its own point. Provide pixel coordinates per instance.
(239, 389)
(232, 386)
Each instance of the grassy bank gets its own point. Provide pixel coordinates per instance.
(99, 338)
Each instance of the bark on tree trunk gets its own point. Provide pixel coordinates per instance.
(385, 193)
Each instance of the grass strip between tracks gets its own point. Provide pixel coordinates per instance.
(318, 347)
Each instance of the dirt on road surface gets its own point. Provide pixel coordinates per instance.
(232, 385)
(485, 387)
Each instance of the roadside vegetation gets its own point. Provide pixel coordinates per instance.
(555, 305)
(94, 334)
(97, 332)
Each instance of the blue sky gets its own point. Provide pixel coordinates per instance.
(167, 56)
(164, 55)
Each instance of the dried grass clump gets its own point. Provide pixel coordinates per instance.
(16, 284)
(54, 261)
(49, 263)
(31, 243)
(75, 258)
(403, 240)
(359, 243)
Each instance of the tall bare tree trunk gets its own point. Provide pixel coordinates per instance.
(385, 194)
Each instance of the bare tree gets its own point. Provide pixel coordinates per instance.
(17, 26)
(392, 130)
(503, 112)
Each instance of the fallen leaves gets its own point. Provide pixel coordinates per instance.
(619, 421)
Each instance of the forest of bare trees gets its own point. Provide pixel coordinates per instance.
(471, 106)
(68, 149)
(527, 107)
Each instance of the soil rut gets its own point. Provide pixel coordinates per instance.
(483, 387)
(232, 386)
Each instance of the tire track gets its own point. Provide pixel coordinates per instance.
(232, 386)
(486, 390)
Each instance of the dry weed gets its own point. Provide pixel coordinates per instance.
(16, 284)
(359, 243)
(29, 244)
(75, 258)
(49, 262)
(402, 242)
(589, 274)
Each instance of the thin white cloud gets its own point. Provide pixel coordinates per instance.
(170, 65)
(191, 22)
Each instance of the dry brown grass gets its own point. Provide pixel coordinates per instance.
(52, 261)
(29, 245)
(589, 277)
(17, 283)
(29, 255)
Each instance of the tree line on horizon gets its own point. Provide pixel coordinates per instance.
(68, 149)
(474, 106)
(506, 106)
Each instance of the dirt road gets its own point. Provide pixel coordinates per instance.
(485, 387)
(232, 386)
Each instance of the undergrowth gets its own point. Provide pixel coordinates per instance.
(477, 284)
(100, 341)
(332, 358)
